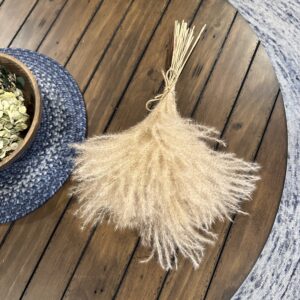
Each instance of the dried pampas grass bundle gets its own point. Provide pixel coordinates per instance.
(160, 176)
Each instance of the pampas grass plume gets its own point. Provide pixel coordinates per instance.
(160, 177)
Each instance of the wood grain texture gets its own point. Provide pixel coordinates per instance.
(115, 50)
(75, 246)
(3, 231)
(38, 23)
(218, 25)
(7, 36)
(194, 74)
(22, 249)
(34, 227)
(246, 120)
(12, 15)
(97, 39)
(68, 28)
(241, 250)
(214, 95)
(121, 58)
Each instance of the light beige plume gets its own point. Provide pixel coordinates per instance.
(160, 177)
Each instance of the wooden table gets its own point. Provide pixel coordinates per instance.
(115, 50)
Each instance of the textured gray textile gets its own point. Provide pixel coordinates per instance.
(276, 275)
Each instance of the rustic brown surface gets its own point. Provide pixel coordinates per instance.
(12, 14)
(115, 50)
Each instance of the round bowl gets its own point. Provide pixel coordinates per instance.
(31, 95)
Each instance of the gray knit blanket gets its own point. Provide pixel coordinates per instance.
(276, 275)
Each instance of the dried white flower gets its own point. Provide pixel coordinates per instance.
(13, 120)
(160, 176)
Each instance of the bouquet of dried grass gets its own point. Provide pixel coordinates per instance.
(160, 176)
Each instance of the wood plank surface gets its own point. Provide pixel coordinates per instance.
(43, 232)
(115, 50)
(241, 250)
(88, 63)
(26, 230)
(75, 246)
(7, 35)
(38, 23)
(241, 42)
(3, 232)
(69, 28)
(84, 279)
(91, 49)
(12, 15)
(251, 120)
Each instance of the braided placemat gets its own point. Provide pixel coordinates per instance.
(40, 172)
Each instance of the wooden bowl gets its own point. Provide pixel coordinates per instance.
(33, 103)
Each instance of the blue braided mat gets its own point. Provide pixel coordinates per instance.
(40, 172)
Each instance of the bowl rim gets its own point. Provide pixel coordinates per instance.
(35, 122)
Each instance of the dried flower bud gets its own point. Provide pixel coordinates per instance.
(13, 113)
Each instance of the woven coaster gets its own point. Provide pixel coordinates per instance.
(44, 167)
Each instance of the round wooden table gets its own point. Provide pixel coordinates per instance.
(115, 50)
